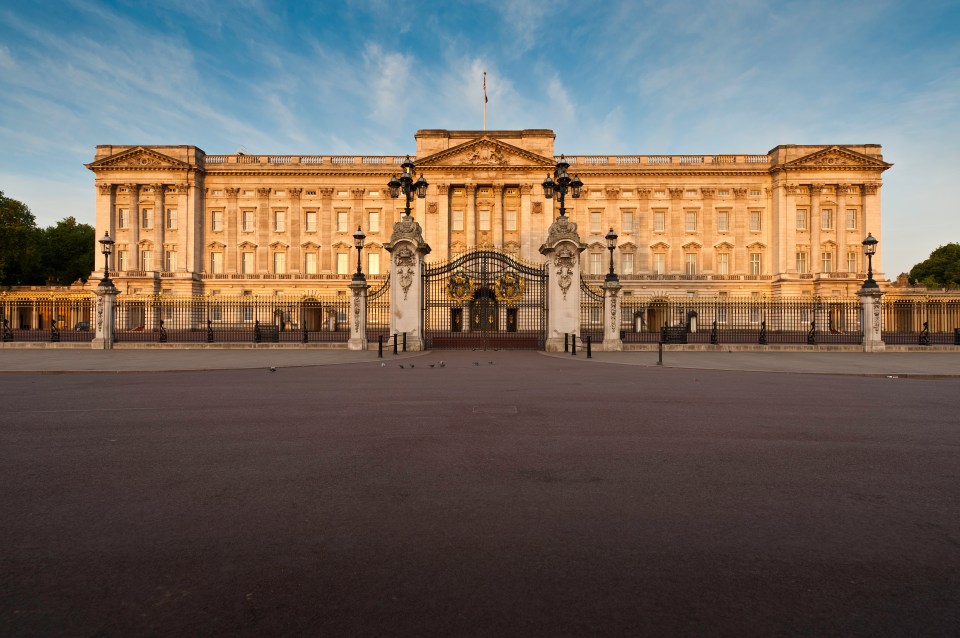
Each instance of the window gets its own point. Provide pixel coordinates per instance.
(248, 220)
(723, 193)
(247, 313)
(279, 263)
(456, 221)
(216, 262)
(147, 218)
(146, 260)
(123, 218)
(246, 263)
(510, 220)
(170, 260)
(216, 220)
(826, 261)
(723, 263)
(722, 308)
(343, 263)
(343, 222)
(851, 219)
(755, 220)
(626, 263)
(123, 260)
(801, 219)
(755, 193)
(310, 221)
(723, 221)
(691, 221)
(595, 222)
(279, 221)
(802, 262)
(659, 262)
(373, 263)
(690, 263)
(658, 221)
(755, 307)
(373, 221)
(171, 219)
(310, 263)
(756, 263)
(826, 218)
(596, 263)
(483, 219)
(627, 221)
(216, 313)
(852, 259)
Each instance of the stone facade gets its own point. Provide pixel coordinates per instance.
(788, 222)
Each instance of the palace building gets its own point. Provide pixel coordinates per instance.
(784, 223)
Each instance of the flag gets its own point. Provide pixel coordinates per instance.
(485, 100)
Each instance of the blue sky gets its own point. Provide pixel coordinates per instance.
(351, 76)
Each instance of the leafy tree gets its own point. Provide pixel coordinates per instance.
(940, 270)
(65, 252)
(17, 232)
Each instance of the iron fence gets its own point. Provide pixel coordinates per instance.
(924, 321)
(50, 318)
(378, 312)
(743, 320)
(234, 319)
(591, 312)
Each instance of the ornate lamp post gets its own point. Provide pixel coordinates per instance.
(358, 238)
(870, 249)
(611, 244)
(407, 185)
(562, 185)
(106, 247)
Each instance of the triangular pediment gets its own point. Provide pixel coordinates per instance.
(724, 246)
(138, 158)
(485, 151)
(660, 246)
(628, 246)
(837, 157)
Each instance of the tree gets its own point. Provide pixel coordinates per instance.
(940, 270)
(65, 252)
(17, 231)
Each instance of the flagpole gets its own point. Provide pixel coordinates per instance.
(484, 100)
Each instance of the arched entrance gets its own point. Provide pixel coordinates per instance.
(484, 311)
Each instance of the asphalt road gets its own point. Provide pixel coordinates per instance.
(530, 496)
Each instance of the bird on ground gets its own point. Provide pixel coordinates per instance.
(401, 365)
(442, 364)
(272, 369)
(476, 363)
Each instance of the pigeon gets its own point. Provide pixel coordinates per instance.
(442, 364)
(401, 365)
(272, 369)
(476, 363)
(491, 362)
(383, 365)
(412, 366)
(431, 365)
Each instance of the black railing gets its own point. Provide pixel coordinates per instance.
(591, 312)
(920, 321)
(378, 311)
(52, 319)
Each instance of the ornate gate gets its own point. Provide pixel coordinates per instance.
(484, 299)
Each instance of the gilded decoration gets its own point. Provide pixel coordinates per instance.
(460, 287)
(508, 288)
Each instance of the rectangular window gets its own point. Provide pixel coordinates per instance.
(343, 221)
(246, 263)
(483, 219)
(146, 260)
(216, 220)
(216, 262)
(247, 313)
(510, 220)
(659, 262)
(756, 263)
(755, 220)
(216, 313)
(851, 219)
(691, 221)
(310, 263)
(723, 221)
(147, 218)
(755, 307)
(170, 260)
(801, 219)
(279, 221)
(123, 260)
(123, 218)
(723, 264)
(596, 264)
(658, 221)
(754, 193)
(826, 218)
(373, 263)
(343, 263)
(690, 263)
(249, 217)
(852, 259)
(171, 219)
(802, 263)
(456, 219)
(722, 308)
(279, 263)
(310, 221)
(373, 221)
(627, 263)
(595, 222)
(826, 262)
(628, 221)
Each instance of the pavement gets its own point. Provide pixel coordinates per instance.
(900, 364)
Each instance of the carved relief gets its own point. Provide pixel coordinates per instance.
(870, 189)
(707, 192)
(643, 193)
(877, 316)
(231, 192)
(443, 189)
(739, 192)
(295, 192)
(356, 310)
(565, 263)
(432, 208)
(526, 189)
(613, 192)
(815, 189)
(181, 188)
(358, 193)
(613, 312)
(537, 208)
(486, 155)
(264, 192)
(325, 192)
(791, 189)
(676, 193)
(405, 266)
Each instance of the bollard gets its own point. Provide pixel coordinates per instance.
(573, 344)
(589, 351)
(404, 341)
(379, 346)
(660, 353)
(394, 343)
(566, 342)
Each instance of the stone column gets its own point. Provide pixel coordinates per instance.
(611, 316)
(497, 222)
(294, 259)
(675, 231)
(740, 222)
(790, 219)
(233, 227)
(443, 219)
(358, 315)
(841, 191)
(135, 220)
(263, 264)
(525, 221)
(106, 216)
(815, 218)
(407, 250)
(185, 242)
(326, 222)
(471, 215)
(103, 315)
(160, 224)
(561, 254)
(871, 220)
(871, 319)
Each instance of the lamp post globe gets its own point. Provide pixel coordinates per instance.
(358, 239)
(106, 247)
(561, 184)
(611, 238)
(406, 184)
(870, 249)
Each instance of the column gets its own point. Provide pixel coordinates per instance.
(326, 229)
(561, 252)
(263, 230)
(643, 223)
(233, 228)
(358, 315)
(707, 229)
(106, 217)
(871, 220)
(185, 242)
(611, 316)
(407, 250)
(675, 234)
(741, 222)
(815, 260)
(294, 259)
(871, 319)
(841, 191)
(134, 226)
(160, 225)
(471, 215)
(526, 223)
(790, 219)
(103, 315)
(443, 222)
(497, 221)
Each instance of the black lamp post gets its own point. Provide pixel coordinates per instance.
(407, 185)
(106, 247)
(562, 184)
(611, 244)
(870, 249)
(358, 238)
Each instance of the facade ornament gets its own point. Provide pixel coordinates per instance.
(843, 189)
(739, 193)
(613, 310)
(870, 189)
(433, 208)
(295, 192)
(613, 192)
(181, 189)
(791, 189)
(815, 189)
(159, 190)
(105, 189)
(231, 192)
(358, 193)
(565, 265)
(562, 229)
(486, 155)
(263, 192)
(643, 193)
(405, 262)
(460, 287)
(707, 193)
(526, 189)
(356, 309)
(537, 208)
(325, 192)
(877, 317)
(508, 288)
(443, 189)
(676, 193)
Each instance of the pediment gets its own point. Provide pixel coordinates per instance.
(837, 157)
(277, 245)
(692, 245)
(628, 246)
(724, 246)
(138, 158)
(309, 245)
(597, 246)
(216, 245)
(660, 246)
(247, 244)
(485, 151)
(756, 246)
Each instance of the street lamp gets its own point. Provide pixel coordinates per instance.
(106, 247)
(611, 244)
(358, 238)
(870, 249)
(562, 184)
(407, 185)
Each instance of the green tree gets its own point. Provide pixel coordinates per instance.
(940, 270)
(18, 229)
(65, 252)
